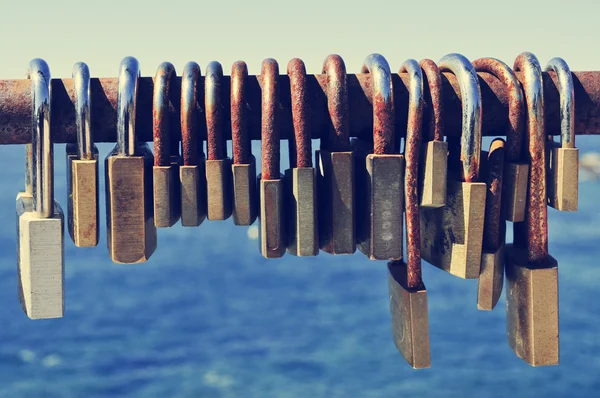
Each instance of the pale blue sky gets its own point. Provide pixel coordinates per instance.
(101, 33)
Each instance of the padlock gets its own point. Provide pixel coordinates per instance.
(451, 236)
(82, 167)
(381, 200)
(335, 168)
(218, 165)
(434, 172)
(167, 203)
(516, 169)
(531, 273)
(272, 239)
(131, 234)
(301, 178)
(563, 158)
(40, 220)
(491, 275)
(244, 163)
(192, 174)
(408, 296)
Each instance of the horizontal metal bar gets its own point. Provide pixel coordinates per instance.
(15, 107)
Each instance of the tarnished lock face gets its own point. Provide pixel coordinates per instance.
(82, 167)
(451, 236)
(131, 233)
(563, 158)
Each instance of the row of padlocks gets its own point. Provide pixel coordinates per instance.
(454, 198)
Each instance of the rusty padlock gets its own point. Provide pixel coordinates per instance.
(381, 201)
(335, 166)
(218, 165)
(451, 237)
(516, 169)
(192, 173)
(244, 163)
(408, 296)
(272, 241)
(563, 158)
(167, 201)
(434, 172)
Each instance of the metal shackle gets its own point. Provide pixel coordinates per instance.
(300, 145)
(338, 137)
(190, 141)
(470, 151)
(83, 111)
(567, 100)
(41, 166)
(240, 136)
(161, 123)
(214, 115)
(270, 131)
(436, 105)
(382, 99)
(129, 72)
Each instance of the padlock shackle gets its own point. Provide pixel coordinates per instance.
(164, 82)
(190, 138)
(470, 149)
(300, 145)
(516, 105)
(129, 73)
(338, 137)
(567, 100)
(83, 111)
(213, 104)
(41, 166)
(412, 149)
(240, 136)
(270, 134)
(382, 101)
(435, 100)
(494, 227)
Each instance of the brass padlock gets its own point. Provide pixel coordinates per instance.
(531, 273)
(335, 168)
(131, 234)
(491, 275)
(40, 220)
(451, 236)
(272, 240)
(82, 167)
(408, 296)
(381, 201)
(563, 158)
(301, 177)
(192, 175)
(218, 165)
(244, 163)
(516, 169)
(167, 203)
(434, 172)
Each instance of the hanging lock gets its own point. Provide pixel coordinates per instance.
(335, 166)
(131, 234)
(40, 220)
(271, 219)
(382, 181)
(516, 169)
(408, 296)
(434, 172)
(192, 174)
(82, 167)
(563, 158)
(451, 236)
(301, 177)
(244, 163)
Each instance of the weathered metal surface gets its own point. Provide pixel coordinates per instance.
(240, 136)
(337, 138)
(191, 113)
(270, 127)
(434, 105)
(300, 145)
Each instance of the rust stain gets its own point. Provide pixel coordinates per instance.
(434, 100)
(270, 133)
(338, 137)
(214, 111)
(300, 144)
(492, 231)
(240, 137)
(161, 127)
(190, 142)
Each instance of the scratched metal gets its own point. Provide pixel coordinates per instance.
(214, 111)
(338, 137)
(240, 137)
(191, 144)
(300, 145)
(433, 99)
(161, 126)
(567, 100)
(270, 111)
(492, 230)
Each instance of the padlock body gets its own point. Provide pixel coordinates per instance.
(245, 206)
(218, 186)
(433, 174)
(563, 177)
(167, 203)
(301, 211)
(193, 194)
(532, 307)
(131, 233)
(82, 207)
(451, 237)
(410, 323)
(491, 278)
(337, 201)
(272, 239)
(514, 190)
(40, 259)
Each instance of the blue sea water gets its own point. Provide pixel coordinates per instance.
(207, 316)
